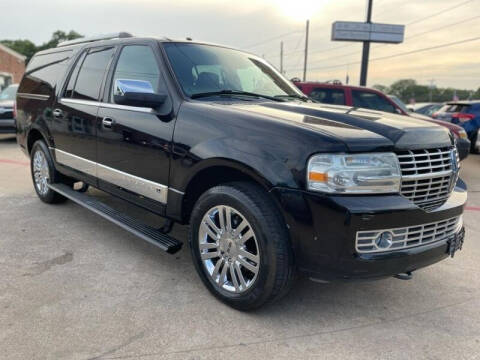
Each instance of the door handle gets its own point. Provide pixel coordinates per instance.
(107, 122)
(57, 113)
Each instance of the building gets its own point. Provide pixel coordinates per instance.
(12, 66)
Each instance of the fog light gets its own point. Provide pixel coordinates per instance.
(384, 240)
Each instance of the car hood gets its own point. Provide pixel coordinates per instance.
(358, 129)
(6, 104)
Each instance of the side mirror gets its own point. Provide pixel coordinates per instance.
(140, 99)
(137, 93)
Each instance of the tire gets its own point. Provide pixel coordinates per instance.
(43, 172)
(268, 245)
(473, 143)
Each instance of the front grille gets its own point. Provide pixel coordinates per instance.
(427, 175)
(407, 237)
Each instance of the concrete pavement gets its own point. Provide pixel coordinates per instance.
(74, 286)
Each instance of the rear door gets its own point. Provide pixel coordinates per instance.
(133, 143)
(74, 115)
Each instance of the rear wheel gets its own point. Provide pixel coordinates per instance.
(240, 245)
(43, 173)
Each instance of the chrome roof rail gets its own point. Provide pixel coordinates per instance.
(118, 35)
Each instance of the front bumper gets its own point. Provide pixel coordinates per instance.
(7, 126)
(323, 231)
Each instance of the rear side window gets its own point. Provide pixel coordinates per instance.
(137, 62)
(328, 96)
(460, 108)
(43, 72)
(87, 81)
(370, 100)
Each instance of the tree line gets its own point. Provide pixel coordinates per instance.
(28, 48)
(407, 89)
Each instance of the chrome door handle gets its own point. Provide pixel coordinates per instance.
(57, 113)
(107, 122)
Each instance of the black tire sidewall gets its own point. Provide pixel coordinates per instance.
(259, 292)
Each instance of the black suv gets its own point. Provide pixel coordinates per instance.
(271, 183)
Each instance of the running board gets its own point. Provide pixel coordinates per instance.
(145, 232)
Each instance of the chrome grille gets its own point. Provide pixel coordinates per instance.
(428, 175)
(407, 237)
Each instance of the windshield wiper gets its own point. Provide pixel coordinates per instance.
(234, 92)
(294, 96)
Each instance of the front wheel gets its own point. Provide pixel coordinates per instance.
(240, 245)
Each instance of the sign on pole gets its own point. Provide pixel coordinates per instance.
(373, 32)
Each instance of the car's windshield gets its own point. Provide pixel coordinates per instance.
(8, 93)
(202, 69)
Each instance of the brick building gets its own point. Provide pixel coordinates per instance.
(12, 66)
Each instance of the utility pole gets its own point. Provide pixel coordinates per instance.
(366, 48)
(430, 95)
(281, 57)
(306, 51)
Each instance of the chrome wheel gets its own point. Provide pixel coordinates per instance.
(40, 172)
(229, 249)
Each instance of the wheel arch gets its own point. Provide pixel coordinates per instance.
(214, 172)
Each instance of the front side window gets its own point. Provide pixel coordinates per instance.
(370, 100)
(206, 68)
(90, 77)
(328, 96)
(138, 68)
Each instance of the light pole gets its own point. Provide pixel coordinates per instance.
(306, 51)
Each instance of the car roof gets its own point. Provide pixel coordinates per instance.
(123, 40)
(470, 102)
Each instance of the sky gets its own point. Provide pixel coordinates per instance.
(259, 26)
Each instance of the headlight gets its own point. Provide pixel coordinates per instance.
(462, 134)
(354, 173)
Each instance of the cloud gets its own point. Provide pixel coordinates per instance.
(252, 22)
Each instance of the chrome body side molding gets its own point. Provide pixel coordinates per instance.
(144, 187)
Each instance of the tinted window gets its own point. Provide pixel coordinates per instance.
(328, 96)
(137, 62)
(90, 77)
(205, 68)
(43, 72)
(369, 100)
(73, 77)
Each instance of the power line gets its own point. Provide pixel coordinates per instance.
(442, 27)
(410, 23)
(272, 39)
(399, 54)
(439, 12)
(408, 38)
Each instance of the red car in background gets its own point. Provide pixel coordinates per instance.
(362, 97)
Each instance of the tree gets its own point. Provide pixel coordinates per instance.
(382, 88)
(57, 37)
(28, 48)
(404, 89)
(24, 47)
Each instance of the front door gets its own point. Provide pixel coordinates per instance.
(75, 113)
(133, 143)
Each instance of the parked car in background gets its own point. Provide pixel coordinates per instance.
(424, 108)
(7, 101)
(463, 113)
(357, 96)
